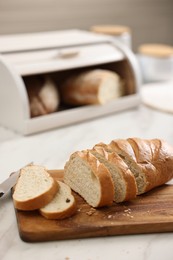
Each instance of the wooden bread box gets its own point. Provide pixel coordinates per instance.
(60, 54)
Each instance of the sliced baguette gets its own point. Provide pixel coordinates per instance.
(62, 206)
(124, 181)
(87, 176)
(34, 189)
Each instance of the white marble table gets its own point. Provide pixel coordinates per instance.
(52, 149)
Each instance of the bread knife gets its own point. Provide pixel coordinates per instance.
(6, 185)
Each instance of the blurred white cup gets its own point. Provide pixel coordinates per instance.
(156, 62)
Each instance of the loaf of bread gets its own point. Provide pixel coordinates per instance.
(43, 95)
(96, 86)
(135, 166)
(34, 189)
(87, 176)
(62, 206)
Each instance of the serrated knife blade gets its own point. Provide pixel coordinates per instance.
(6, 185)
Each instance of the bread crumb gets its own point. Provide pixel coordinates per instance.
(127, 213)
(127, 210)
(109, 216)
(91, 212)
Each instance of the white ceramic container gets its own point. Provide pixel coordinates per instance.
(156, 62)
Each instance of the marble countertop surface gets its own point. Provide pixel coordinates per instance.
(52, 149)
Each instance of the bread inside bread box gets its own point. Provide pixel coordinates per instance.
(51, 87)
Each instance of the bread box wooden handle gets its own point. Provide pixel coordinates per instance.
(66, 54)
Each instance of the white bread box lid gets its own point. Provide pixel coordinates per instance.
(54, 51)
(46, 40)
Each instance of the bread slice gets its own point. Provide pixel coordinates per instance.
(96, 86)
(125, 151)
(124, 181)
(87, 176)
(34, 189)
(62, 206)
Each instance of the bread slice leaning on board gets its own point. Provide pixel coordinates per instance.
(37, 190)
(135, 166)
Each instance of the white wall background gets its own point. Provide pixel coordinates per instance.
(150, 20)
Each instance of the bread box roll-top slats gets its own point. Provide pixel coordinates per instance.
(59, 55)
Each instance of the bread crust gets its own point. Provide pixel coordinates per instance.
(115, 159)
(154, 158)
(123, 147)
(68, 212)
(121, 144)
(39, 201)
(105, 180)
(159, 155)
(60, 215)
(103, 176)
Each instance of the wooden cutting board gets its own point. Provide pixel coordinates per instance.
(148, 213)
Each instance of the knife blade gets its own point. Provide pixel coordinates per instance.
(6, 185)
